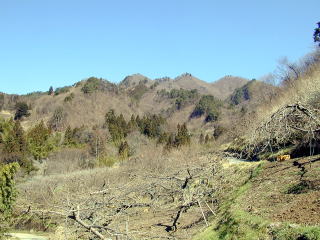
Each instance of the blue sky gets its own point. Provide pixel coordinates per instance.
(60, 42)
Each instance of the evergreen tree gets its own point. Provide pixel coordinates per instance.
(14, 144)
(69, 139)
(132, 124)
(8, 193)
(117, 126)
(183, 136)
(39, 144)
(50, 92)
(316, 34)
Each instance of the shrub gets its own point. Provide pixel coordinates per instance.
(153, 86)
(218, 131)
(69, 98)
(57, 121)
(22, 110)
(124, 150)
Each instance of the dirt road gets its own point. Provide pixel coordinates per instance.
(26, 236)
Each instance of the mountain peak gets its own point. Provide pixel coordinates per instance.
(134, 79)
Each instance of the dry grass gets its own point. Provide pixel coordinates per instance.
(145, 171)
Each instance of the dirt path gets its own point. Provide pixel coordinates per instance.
(26, 236)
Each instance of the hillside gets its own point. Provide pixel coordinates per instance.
(255, 92)
(167, 159)
(226, 86)
(136, 94)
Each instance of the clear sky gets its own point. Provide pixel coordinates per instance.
(59, 42)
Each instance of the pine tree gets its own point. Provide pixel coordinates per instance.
(8, 193)
(69, 137)
(316, 34)
(132, 124)
(15, 140)
(183, 136)
(50, 92)
(38, 141)
(14, 144)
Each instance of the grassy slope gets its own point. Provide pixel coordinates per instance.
(260, 207)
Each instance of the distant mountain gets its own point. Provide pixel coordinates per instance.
(226, 85)
(220, 89)
(134, 80)
(253, 91)
(86, 102)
